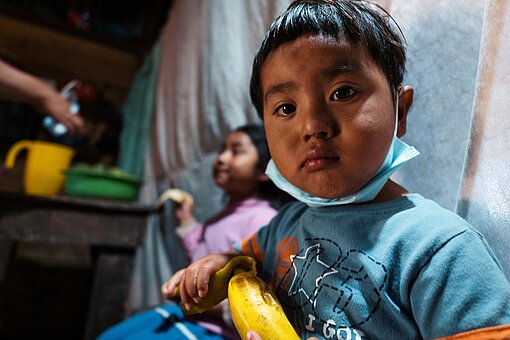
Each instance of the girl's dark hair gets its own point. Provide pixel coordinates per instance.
(265, 190)
(358, 21)
(258, 138)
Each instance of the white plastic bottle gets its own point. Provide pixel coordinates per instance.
(58, 129)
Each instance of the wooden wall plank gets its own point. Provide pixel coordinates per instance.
(61, 56)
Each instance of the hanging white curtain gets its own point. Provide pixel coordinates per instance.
(485, 192)
(457, 62)
(443, 39)
(202, 94)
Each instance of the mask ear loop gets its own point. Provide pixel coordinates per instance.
(397, 95)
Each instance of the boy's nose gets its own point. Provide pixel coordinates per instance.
(319, 124)
(322, 134)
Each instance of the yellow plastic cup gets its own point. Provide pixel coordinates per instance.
(44, 166)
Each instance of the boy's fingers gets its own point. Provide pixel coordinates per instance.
(252, 335)
(190, 279)
(197, 278)
(193, 282)
(168, 288)
(209, 267)
(203, 278)
(186, 299)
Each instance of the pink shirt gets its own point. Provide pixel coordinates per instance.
(219, 233)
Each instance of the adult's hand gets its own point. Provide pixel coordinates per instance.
(50, 102)
(16, 85)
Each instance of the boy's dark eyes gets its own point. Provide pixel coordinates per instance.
(343, 93)
(340, 94)
(285, 109)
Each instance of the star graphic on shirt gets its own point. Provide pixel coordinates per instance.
(309, 264)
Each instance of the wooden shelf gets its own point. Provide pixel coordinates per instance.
(107, 54)
(62, 56)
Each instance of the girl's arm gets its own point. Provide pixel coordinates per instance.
(188, 230)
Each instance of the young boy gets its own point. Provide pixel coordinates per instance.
(359, 257)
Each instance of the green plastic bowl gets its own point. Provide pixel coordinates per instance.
(90, 184)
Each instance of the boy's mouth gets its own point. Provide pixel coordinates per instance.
(318, 159)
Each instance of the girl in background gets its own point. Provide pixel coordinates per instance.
(252, 202)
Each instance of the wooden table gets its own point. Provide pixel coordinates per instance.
(111, 229)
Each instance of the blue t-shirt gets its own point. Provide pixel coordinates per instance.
(402, 269)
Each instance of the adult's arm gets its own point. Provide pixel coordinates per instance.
(19, 86)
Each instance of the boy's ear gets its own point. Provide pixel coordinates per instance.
(405, 100)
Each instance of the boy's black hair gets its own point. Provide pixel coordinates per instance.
(265, 190)
(358, 21)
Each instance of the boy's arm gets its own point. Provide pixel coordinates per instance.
(461, 288)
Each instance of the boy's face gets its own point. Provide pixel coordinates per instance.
(328, 114)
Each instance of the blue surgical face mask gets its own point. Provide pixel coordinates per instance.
(399, 153)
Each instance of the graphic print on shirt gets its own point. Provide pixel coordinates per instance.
(332, 287)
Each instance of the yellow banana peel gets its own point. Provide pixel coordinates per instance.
(253, 305)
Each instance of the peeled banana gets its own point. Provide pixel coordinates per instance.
(253, 305)
(176, 195)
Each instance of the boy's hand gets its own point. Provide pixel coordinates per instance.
(252, 335)
(193, 281)
(168, 288)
